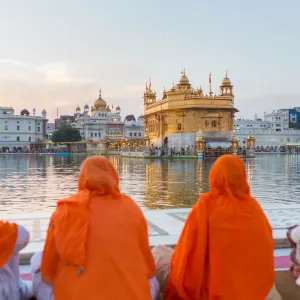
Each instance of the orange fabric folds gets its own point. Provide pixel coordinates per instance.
(8, 238)
(97, 243)
(226, 248)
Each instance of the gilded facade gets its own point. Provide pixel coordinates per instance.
(183, 113)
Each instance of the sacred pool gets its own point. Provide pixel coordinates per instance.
(34, 183)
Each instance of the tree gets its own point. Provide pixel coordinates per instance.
(66, 134)
(293, 125)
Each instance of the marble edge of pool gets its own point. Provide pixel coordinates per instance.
(164, 227)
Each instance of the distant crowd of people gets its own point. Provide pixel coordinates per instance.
(97, 245)
(172, 151)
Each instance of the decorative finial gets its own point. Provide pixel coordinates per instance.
(226, 74)
(146, 86)
(164, 88)
(100, 93)
(150, 83)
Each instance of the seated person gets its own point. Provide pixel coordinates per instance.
(225, 250)
(13, 238)
(97, 245)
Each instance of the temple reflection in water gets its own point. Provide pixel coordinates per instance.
(35, 183)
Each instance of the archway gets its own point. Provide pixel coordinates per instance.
(166, 142)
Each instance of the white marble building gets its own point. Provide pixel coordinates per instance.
(133, 128)
(50, 128)
(273, 130)
(18, 132)
(101, 124)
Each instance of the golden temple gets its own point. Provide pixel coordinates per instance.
(184, 113)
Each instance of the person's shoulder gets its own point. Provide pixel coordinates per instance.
(131, 205)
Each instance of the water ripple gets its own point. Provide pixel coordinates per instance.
(35, 183)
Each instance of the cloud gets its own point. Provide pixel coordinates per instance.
(50, 72)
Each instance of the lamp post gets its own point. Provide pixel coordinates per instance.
(235, 145)
(250, 145)
(200, 146)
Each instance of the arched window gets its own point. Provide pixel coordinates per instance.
(206, 123)
(214, 123)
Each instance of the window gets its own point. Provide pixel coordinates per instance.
(29, 139)
(214, 123)
(179, 127)
(135, 134)
(95, 134)
(130, 134)
(18, 127)
(278, 125)
(207, 124)
(29, 128)
(39, 129)
(6, 128)
(91, 134)
(140, 134)
(18, 139)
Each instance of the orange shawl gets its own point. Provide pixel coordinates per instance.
(8, 238)
(226, 248)
(97, 176)
(100, 234)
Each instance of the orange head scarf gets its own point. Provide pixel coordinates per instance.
(8, 238)
(225, 250)
(228, 177)
(70, 221)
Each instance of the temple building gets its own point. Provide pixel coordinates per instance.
(101, 124)
(133, 128)
(184, 113)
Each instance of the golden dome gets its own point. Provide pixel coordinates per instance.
(226, 80)
(149, 92)
(100, 103)
(184, 79)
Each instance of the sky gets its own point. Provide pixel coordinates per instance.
(57, 54)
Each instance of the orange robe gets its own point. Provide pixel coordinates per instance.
(225, 251)
(97, 244)
(8, 238)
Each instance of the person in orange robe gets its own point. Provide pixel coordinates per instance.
(225, 251)
(97, 243)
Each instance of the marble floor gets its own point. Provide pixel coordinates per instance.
(164, 225)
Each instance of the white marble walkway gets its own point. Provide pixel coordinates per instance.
(164, 225)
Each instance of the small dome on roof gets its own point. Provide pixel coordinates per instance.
(226, 80)
(184, 79)
(25, 112)
(130, 118)
(86, 106)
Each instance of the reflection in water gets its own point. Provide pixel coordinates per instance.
(35, 183)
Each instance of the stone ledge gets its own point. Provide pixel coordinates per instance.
(286, 286)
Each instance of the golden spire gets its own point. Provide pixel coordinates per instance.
(99, 93)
